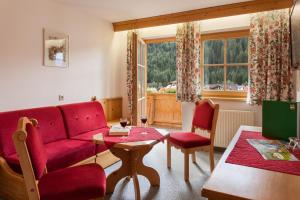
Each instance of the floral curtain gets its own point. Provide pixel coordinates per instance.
(269, 57)
(188, 62)
(131, 37)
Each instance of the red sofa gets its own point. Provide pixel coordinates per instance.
(66, 131)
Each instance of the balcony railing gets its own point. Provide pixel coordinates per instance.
(164, 110)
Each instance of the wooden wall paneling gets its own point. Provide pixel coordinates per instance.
(104, 106)
(112, 108)
(164, 110)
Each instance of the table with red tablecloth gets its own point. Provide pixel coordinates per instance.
(131, 150)
(242, 173)
(245, 154)
(136, 134)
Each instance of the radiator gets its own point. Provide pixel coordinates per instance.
(228, 123)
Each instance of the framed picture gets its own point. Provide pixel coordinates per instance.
(56, 49)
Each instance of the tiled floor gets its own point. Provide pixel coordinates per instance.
(172, 184)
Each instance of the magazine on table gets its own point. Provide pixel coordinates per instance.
(272, 149)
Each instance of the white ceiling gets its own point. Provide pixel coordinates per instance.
(120, 10)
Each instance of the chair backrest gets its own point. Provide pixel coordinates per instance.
(206, 116)
(32, 155)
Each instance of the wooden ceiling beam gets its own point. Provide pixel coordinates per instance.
(204, 13)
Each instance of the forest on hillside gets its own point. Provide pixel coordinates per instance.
(161, 64)
(237, 53)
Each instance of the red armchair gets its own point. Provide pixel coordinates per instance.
(75, 183)
(205, 118)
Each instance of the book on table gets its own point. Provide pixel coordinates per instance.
(119, 131)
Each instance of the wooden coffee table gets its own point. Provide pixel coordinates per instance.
(131, 154)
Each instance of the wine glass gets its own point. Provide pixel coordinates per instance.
(123, 122)
(144, 121)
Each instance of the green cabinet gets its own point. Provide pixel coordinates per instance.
(279, 119)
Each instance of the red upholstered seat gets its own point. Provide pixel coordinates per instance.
(205, 118)
(89, 137)
(64, 153)
(36, 151)
(75, 183)
(50, 126)
(83, 117)
(188, 140)
(61, 154)
(203, 115)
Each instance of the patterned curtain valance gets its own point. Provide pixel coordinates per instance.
(269, 57)
(188, 62)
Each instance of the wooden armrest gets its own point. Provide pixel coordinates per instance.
(12, 185)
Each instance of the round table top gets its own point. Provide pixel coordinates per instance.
(98, 139)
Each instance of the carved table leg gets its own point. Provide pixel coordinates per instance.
(132, 166)
(120, 173)
(150, 173)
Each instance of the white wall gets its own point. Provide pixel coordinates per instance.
(95, 61)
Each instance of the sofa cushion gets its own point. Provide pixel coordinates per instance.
(88, 136)
(36, 151)
(83, 117)
(61, 154)
(75, 183)
(50, 126)
(64, 153)
(188, 140)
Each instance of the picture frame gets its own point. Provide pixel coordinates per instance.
(55, 49)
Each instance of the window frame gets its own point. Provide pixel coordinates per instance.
(159, 40)
(222, 94)
(156, 41)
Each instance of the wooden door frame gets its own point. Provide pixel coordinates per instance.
(134, 119)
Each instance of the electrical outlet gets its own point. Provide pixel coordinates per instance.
(60, 97)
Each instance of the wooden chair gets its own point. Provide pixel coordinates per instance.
(76, 183)
(205, 118)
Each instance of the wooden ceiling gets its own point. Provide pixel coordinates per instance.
(204, 13)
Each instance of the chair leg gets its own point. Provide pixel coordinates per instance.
(168, 154)
(186, 166)
(212, 159)
(194, 157)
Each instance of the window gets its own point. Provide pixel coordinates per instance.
(161, 65)
(224, 60)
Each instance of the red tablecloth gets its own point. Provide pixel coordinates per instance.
(245, 154)
(135, 135)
